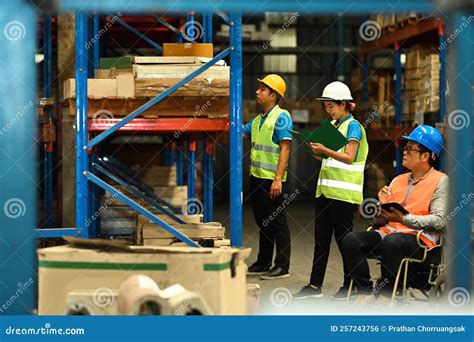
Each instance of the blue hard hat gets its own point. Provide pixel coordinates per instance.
(428, 137)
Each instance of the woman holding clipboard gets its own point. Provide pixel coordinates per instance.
(339, 187)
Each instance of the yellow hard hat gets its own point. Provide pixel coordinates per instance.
(275, 82)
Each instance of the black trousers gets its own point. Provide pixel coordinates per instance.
(273, 227)
(331, 216)
(357, 246)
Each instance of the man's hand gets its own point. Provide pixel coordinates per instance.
(276, 188)
(384, 195)
(393, 215)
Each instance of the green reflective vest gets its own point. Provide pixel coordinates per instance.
(265, 153)
(341, 181)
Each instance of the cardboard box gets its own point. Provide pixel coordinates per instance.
(125, 86)
(111, 73)
(188, 49)
(96, 88)
(218, 274)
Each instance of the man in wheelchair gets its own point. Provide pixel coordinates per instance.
(423, 192)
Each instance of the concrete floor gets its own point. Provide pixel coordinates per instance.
(276, 294)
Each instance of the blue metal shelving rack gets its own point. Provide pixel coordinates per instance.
(17, 169)
(85, 175)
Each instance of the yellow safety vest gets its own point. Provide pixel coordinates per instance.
(341, 181)
(265, 154)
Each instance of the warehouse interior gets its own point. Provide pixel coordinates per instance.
(125, 178)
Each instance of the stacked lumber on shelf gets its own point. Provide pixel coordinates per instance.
(131, 81)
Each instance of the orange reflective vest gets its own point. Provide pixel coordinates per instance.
(417, 203)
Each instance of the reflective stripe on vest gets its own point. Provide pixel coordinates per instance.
(340, 185)
(265, 154)
(264, 148)
(417, 203)
(341, 181)
(262, 165)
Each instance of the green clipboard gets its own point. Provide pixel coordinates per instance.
(325, 134)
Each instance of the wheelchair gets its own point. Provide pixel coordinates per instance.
(427, 275)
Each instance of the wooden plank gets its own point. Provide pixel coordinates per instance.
(193, 231)
(178, 71)
(211, 107)
(188, 219)
(149, 87)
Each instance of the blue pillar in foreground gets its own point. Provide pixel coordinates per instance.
(459, 156)
(235, 129)
(18, 156)
(82, 163)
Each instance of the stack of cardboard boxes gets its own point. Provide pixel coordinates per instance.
(421, 85)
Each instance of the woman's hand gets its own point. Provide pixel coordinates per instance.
(318, 148)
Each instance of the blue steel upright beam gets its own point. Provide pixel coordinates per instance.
(96, 37)
(179, 164)
(82, 162)
(442, 86)
(207, 25)
(235, 129)
(460, 129)
(191, 168)
(47, 147)
(398, 104)
(17, 158)
(208, 180)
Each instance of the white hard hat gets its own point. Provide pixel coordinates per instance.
(336, 91)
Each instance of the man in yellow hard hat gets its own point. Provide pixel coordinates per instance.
(271, 144)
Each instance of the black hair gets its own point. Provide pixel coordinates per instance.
(278, 96)
(339, 102)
